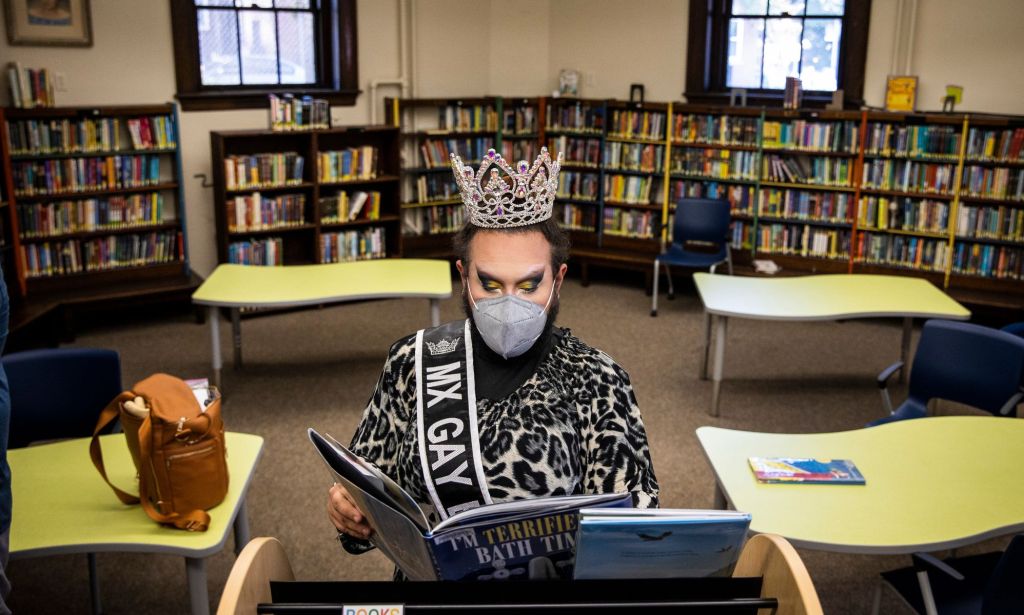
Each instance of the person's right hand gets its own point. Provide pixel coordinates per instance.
(345, 515)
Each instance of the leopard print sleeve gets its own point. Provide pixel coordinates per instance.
(618, 456)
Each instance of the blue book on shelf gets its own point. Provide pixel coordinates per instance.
(800, 470)
(658, 543)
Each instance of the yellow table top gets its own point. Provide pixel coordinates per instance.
(248, 286)
(825, 297)
(62, 505)
(931, 484)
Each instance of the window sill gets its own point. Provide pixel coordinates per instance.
(257, 99)
(767, 99)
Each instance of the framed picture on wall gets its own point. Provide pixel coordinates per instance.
(48, 22)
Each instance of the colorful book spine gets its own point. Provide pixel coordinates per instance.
(62, 217)
(800, 169)
(580, 117)
(805, 205)
(49, 259)
(432, 220)
(245, 172)
(577, 151)
(436, 187)
(644, 125)
(256, 212)
(349, 206)
(631, 189)
(289, 113)
(631, 223)
(989, 261)
(436, 153)
(811, 136)
(260, 252)
(1002, 145)
(741, 198)
(993, 182)
(578, 186)
(351, 164)
(61, 176)
(913, 141)
(576, 217)
(921, 253)
(714, 129)
(350, 246)
(715, 163)
(990, 222)
(646, 158)
(520, 149)
(469, 118)
(909, 176)
(519, 121)
(803, 240)
(903, 214)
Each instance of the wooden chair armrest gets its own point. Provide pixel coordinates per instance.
(785, 576)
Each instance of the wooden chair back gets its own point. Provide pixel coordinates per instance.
(261, 561)
(785, 576)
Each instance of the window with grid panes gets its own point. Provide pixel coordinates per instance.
(240, 50)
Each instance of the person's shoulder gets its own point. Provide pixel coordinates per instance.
(585, 356)
(405, 347)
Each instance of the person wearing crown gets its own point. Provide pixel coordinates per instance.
(503, 405)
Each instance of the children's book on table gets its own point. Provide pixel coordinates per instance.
(804, 470)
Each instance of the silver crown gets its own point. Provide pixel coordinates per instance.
(443, 347)
(510, 197)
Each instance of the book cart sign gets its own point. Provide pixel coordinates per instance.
(373, 609)
(48, 22)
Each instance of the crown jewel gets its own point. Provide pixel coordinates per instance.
(498, 196)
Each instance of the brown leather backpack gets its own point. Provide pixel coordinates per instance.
(177, 447)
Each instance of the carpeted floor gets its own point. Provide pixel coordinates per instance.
(318, 367)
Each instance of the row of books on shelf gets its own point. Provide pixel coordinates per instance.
(904, 214)
(1004, 223)
(288, 112)
(580, 186)
(345, 207)
(809, 135)
(581, 117)
(630, 223)
(632, 189)
(715, 163)
(913, 141)
(100, 254)
(519, 149)
(350, 164)
(44, 177)
(436, 187)
(631, 124)
(993, 183)
(262, 252)
(467, 118)
(436, 153)
(242, 172)
(821, 170)
(256, 212)
(576, 218)
(1000, 262)
(803, 240)
(72, 136)
(432, 220)
(714, 129)
(995, 144)
(349, 246)
(519, 120)
(909, 176)
(29, 87)
(801, 204)
(88, 215)
(579, 151)
(642, 157)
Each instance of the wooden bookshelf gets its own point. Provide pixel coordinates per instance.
(305, 202)
(818, 214)
(92, 202)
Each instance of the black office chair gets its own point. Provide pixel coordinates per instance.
(960, 362)
(59, 393)
(986, 584)
(697, 221)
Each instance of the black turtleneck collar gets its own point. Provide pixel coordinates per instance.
(496, 377)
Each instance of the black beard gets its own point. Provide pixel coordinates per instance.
(467, 309)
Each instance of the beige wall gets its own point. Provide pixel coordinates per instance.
(517, 47)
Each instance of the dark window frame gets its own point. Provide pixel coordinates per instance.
(337, 63)
(707, 51)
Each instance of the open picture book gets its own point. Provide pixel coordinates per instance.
(521, 539)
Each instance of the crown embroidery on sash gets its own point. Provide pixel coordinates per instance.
(443, 347)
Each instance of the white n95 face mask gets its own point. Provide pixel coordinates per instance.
(508, 324)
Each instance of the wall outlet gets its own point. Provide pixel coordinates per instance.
(60, 82)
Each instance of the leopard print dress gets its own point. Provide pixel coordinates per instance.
(573, 427)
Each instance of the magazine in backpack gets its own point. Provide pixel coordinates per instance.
(521, 539)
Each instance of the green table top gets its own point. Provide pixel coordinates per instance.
(62, 505)
(932, 483)
(825, 297)
(247, 286)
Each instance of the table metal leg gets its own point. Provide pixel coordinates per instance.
(94, 585)
(716, 377)
(218, 363)
(241, 527)
(198, 595)
(236, 335)
(720, 502)
(435, 312)
(908, 330)
(707, 346)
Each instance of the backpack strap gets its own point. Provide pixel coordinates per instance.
(194, 521)
(108, 416)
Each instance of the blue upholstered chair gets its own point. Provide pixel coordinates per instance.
(986, 584)
(1016, 328)
(59, 392)
(703, 222)
(960, 362)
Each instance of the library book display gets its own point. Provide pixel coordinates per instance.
(932, 195)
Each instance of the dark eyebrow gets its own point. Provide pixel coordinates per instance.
(536, 276)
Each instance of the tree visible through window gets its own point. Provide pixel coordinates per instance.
(770, 40)
(257, 42)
